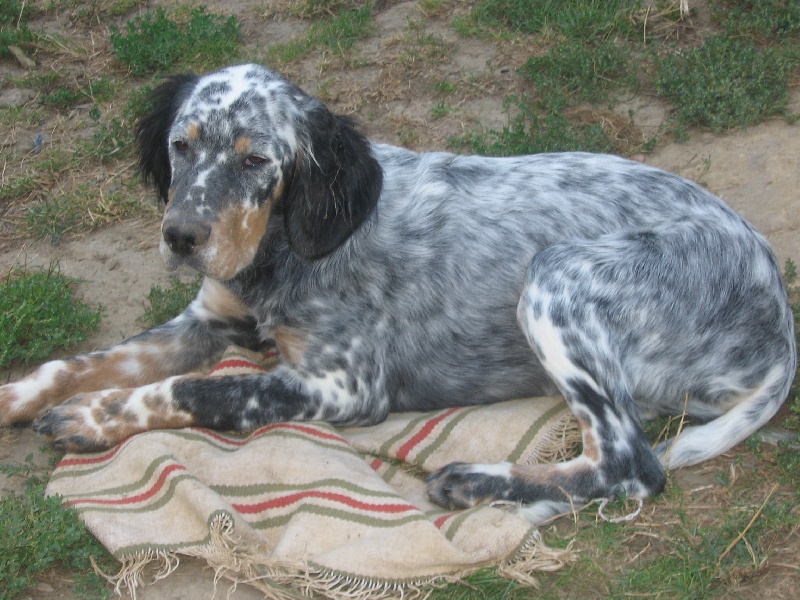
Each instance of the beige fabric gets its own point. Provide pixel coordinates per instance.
(306, 506)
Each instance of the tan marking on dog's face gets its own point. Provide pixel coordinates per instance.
(193, 131)
(242, 144)
(221, 301)
(291, 344)
(235, 239)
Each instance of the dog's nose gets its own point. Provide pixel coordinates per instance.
(184, 236)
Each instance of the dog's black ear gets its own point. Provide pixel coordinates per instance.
(153, 130)
(335, 185)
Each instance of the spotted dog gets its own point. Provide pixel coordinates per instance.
(393, 281)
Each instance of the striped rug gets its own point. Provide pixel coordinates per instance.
(305, 508)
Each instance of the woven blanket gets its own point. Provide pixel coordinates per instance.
(296, 509)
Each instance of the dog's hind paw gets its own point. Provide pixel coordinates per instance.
(462, 485)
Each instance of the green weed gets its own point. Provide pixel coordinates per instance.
(321, 8)
(575, 19)
(83, 209)
(725, 83)
(765, 20)
(533, 130)
(38, 534)
(485, 584)
(39, 314)
(338, 33)
(440, 111)
(14, 25)
(165, 304)
(154, 42)
(579, 71)
(98, 90)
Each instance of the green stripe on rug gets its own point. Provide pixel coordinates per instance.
(335, 513)
(533, 431)
(434, 445)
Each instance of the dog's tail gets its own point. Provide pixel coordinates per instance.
(703, 442)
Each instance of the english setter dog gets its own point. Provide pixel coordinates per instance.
(395, 281)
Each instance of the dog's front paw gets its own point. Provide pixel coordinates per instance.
(20, 402)
(82, 424)
(462, 485)
(98, 420)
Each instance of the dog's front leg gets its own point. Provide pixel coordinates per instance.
(238, 402)
(193, 340)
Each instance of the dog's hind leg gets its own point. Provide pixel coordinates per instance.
(691, 314)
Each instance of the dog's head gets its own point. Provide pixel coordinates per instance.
(230, 150)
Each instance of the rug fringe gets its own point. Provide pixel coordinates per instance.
(559, 444)
(131, 573)
(534, 556)
(282, 581)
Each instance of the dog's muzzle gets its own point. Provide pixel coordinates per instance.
(184, 236)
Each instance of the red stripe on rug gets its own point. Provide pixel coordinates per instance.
(133, 499)
(71, 462)
(424, 432)
(285, 501)
(237, 363)
(439, 522)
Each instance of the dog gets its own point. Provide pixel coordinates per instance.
(397, 281)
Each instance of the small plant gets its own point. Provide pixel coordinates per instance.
(574, 19)
(338, 33)
(13, 25)
(440, 110)
(64, 97)
(166, 304)
(343, 30)
(154, 42)
(764, 20)
(38, 533)
(534, 130)
(81, 210)
(579, 71)
(725, 83)
(39, 314)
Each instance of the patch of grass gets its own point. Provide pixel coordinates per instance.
(338, 33)
(574, 19)
(39, 314)
(164, 304)
(154, 42)
(725, 83)
(13, 25)
(485, 584)
(83, 209)
(764, 20)
(321, 8)
(790, 278)
(441, 110)
(98, 90)
(579, 71)
(38, 534)
(420, 48)
(93, 11)
(534, 130)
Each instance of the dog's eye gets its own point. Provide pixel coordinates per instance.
(181, 145)
(254, 161)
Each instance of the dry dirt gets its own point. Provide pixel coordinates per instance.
(754, 170)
